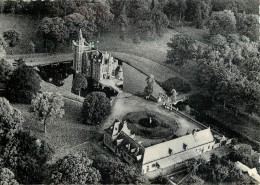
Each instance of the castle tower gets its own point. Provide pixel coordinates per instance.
(78, 50)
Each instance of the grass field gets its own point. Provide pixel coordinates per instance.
(26, 26)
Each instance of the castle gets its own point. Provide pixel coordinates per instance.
(101, 67)
(171, 153)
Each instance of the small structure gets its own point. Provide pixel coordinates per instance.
(101, 67)
(169, 102)
(159, 156)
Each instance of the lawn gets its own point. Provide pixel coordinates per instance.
(26, 26)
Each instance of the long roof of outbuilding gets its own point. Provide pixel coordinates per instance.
(161, 150)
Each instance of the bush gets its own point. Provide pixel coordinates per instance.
(176, 83)
(96, 108)
(23, 84)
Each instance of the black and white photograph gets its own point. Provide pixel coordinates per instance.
(130, 92)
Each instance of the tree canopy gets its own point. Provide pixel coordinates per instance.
(114, 173)
(7, 177)
(223, 22)
(176, 83)
(12, 37)
(6, 69)
(53, 29)
(47, 106)
(76, 21)
(182, 48)
(74, 169)
(23, 84)
(11, 121)
(26, 156)
(79, 82)
(96, 108)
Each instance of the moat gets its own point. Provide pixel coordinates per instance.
(61, 75)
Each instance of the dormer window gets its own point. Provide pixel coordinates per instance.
(170, 151)
(185, 146)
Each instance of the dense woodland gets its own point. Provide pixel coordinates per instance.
(227, 65)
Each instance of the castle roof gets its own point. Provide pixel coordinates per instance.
(178, 145)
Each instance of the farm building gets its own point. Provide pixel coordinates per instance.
(122, 141)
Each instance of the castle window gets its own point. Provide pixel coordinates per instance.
(208, 146)
(153, 165)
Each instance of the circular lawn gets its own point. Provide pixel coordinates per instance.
(151, 124)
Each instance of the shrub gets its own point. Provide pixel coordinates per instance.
(176, 83)
(96, 108)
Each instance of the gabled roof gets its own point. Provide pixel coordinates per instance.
(161, 150)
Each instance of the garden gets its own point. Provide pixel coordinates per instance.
(151, 124)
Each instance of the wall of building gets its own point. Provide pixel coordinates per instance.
(108, 142)
(177, 158)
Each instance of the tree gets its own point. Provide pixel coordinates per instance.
(26, 156)
(160, 20)
(2, 47)
(53, 29)
(200, 102)
(23, 84)
(6, 69)
(245, 154)
(115, 173)
(96, 108)
(181, 49)
(99, 13)
(222, 23)
(74, 169)
(175, 8)
(11, 121)
(122, 18)
(198, 12)
(7, 177)
(12, 37)
(47, 106)
(176, 83)
(79, 82)
(32, 47)
(149, 88)
(74, 22)
(248, 25)
(221, 5)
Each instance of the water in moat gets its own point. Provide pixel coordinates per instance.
(61, 75)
